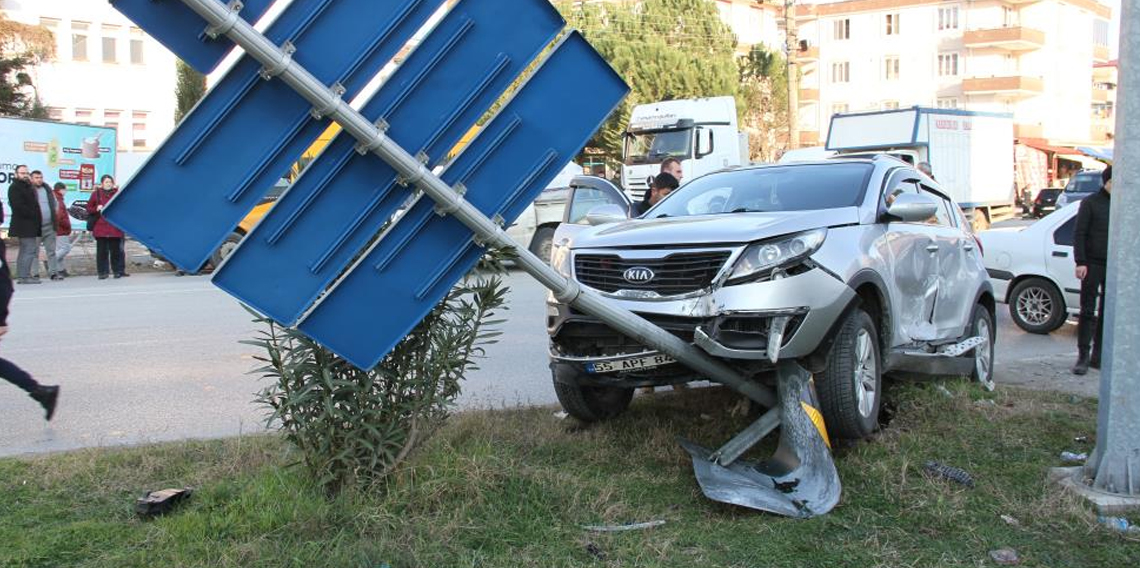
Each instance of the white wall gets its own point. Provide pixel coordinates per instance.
(142, 94)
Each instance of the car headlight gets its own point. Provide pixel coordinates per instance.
(560, 258)
(761, 258)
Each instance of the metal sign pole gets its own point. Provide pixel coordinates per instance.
(1115, 463)
(278, 63)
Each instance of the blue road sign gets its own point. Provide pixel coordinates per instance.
(177, 27)
(344, 198)
(246, 133)
(413, 266)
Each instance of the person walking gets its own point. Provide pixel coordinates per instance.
(109, 257)
(1090, 251)
(31, 212)
(64, 240)
(46, 395)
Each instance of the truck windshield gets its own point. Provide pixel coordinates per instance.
(653, 147)
(776, 188)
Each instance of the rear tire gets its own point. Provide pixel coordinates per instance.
(590, 403)
(225, 249)
(542, 242)
(850, 387)
(1036, 306)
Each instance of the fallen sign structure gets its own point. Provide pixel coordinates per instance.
(426, 230)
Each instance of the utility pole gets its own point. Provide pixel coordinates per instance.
(1111, 477)
(792, 44)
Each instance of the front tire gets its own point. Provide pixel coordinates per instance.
(1036, 306)
(588, 403)
(225, 249)
(850, 387)
(982, 324)
(542, 243)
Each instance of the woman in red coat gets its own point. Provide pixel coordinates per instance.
(108, 238)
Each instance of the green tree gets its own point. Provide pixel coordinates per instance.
(22, 46)
(664, 50)
(190, 88)
(764, 87)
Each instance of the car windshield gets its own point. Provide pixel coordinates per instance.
(796, 187)
(653, 147)
(1084, 183)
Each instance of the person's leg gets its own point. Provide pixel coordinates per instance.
(117, 257)
(1086, 322)
(102, 257)
(49, 252)
(25, 258)
(62, 249)
(1098, 335)
(43, 394)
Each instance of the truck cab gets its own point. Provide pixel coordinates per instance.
(702, 133)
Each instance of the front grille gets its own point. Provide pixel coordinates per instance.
(675, 274)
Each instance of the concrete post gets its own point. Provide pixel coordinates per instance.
(792, 44)
(1114, 467)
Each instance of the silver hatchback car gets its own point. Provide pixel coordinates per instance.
(852, 267)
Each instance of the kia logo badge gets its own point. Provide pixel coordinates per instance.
(638, 275)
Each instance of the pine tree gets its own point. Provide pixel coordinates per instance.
(188, 91)
(764, 86)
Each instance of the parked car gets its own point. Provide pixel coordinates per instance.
(1045, 202)
(852, 267)
(1083, 184)
(1032, 270)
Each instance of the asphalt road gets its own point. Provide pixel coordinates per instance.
(156, 357)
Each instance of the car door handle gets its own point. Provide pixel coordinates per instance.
(1060, 254)
(931, 248)
(968, 246)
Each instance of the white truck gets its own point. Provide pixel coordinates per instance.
(970, 153)
(701, 133)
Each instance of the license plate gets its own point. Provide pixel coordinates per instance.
(631, 364)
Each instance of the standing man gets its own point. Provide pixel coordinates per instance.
(672, 166)
(33, 218)
(1090, 250)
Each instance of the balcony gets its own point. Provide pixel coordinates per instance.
(1018, 38)
(1019, 86)
(1028, 131)
(1100, 54)
(1100, 95)
(809, 96)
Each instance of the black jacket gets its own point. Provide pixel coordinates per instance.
(1090, 241)
(26, 219)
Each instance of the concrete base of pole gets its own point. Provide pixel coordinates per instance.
(1075, 480)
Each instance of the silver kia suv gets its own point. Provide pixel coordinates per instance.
(852, 267)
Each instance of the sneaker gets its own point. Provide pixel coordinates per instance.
(47, 397)
(118, 276)
(64, 273)
(102, 276)
(124, 275)
(57, 276)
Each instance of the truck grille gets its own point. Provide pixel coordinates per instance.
(675, 274)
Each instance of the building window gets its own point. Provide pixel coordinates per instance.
(890, 105)
(947, 102)
(891, 68)
(842, 28)
(138, 129)
(110, 43)
(55, 113)
(1008, 17)
(1100, 32)
(111, 118)
(841, 72)
(948, 18)
(52, 25)
(79, 41)
(83, 115)
(839, 108)
(892, 24)
(137, 47)
(947, 64)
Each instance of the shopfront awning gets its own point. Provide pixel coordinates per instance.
(1102, 154)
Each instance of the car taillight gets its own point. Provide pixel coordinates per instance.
(981, 249)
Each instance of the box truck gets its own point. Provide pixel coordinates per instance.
(970, 153)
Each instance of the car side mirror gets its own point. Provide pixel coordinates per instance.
(604, 214)
(912, 207)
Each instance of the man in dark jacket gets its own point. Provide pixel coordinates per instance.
(1090, 251)
(33, 218)
(9, 371)
(662, 185)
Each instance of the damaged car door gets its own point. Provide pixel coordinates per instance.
(910, 254)
(959, 269)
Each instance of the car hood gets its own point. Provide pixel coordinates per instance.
(711, 229)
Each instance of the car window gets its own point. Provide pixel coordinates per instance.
(1063, 235)
(792, 187)
(1085, 182)
(587, 198)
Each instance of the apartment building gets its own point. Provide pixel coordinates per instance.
(754, 23)
(1031, 58)
(107, 72)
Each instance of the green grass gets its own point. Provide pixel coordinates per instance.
(513, 488)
